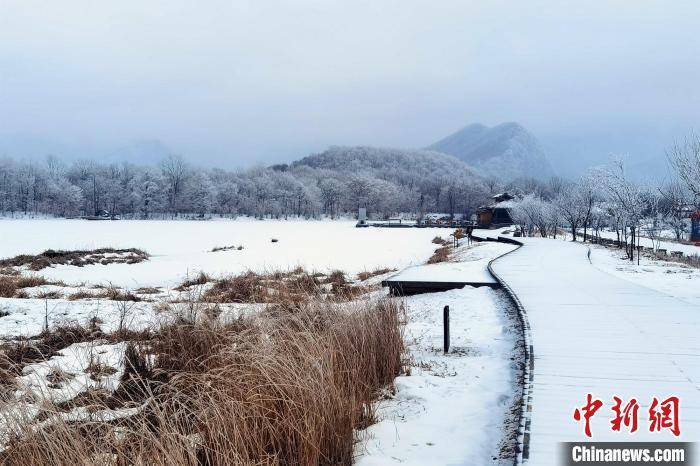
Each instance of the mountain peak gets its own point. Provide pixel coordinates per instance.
(507, 150)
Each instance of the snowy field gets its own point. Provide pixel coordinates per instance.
(183, 248)
(452, 408)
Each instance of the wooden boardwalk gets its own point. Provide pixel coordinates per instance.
(595, 333)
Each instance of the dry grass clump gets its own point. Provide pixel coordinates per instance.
(30, 281)
(342, 289)
(250, 287)
(200, 279)
(80, 294)
(287, 288)
(366, 275)
(116, 294)
(15, 355)
(441, 254)
(96, 369)
(11, 284)
(692, 260)
(112, 293)
(147, 290)
(226, 248)
(441, 241)
(8, 287)
(57, 377)
(286, 387)
(52, 294)
(77, 258)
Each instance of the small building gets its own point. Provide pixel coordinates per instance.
(496, 214)
(695, 227)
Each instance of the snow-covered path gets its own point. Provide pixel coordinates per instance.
(595, 333)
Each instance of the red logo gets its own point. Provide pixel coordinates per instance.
(662, 414)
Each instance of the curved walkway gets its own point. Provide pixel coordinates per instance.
(595, 333)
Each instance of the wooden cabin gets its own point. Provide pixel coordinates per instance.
(496, 214)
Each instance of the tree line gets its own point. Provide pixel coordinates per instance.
(332, 183)
(608, 198)
(341, 179)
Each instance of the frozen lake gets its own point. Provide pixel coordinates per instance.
(182, 248)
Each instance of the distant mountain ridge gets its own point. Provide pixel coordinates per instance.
(506, 151)
(32, 147)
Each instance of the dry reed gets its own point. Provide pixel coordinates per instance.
(288, 386)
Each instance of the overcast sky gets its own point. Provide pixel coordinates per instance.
(236, 83)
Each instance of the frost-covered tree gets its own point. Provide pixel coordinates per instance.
(533, 214)
(148, 193)
(675, 198)
(626, 199)
(571, 207)
(331, 192)
(175, 171)
(684, 157)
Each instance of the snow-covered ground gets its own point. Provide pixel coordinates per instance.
(468, 264)
(183, 248)
(64, 376)
(26, 317)
(452, 408)
(672, 278)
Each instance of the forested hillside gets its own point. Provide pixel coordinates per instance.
(336, 181)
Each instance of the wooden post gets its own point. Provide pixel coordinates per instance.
(446, 329)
